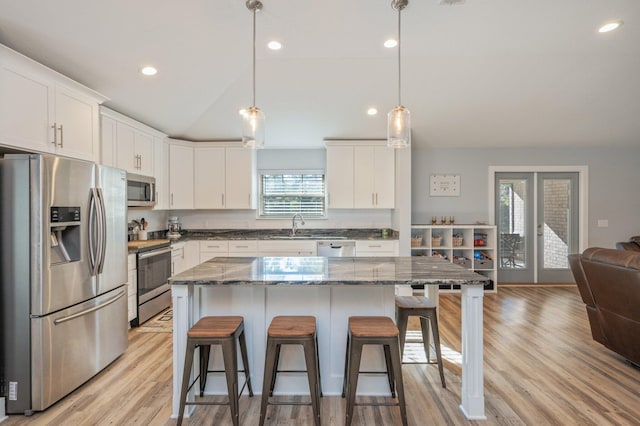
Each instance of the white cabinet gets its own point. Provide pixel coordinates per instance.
(213, 248)
(132, 287)
(375, 248)
(161, 172)
(470, 246)
(287, 248)
(181, 183)
(177, 258)
(107, 141)
(224, 177)
(360, 175)
(243, 248)
(191, 254)
(134, 150)
(43, 111)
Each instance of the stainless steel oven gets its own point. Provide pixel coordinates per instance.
(154, 292)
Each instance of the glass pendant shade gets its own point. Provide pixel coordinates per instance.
(399, 128)
(253, 124)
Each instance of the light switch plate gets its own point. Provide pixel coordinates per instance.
(603, 223)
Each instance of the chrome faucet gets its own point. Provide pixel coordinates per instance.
(294, 223)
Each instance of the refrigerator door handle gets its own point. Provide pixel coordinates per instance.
(102, 230)
(93, 234)
(88, 311)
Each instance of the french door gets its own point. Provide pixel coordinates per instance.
(537, 221)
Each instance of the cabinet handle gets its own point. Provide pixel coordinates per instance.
(372, 199)
(172, 198)
(55, 134)
(376, 246)
(222, 200)
(376, 198)
(242, 246)
(329, 199)
(61, 136)
(249, 200)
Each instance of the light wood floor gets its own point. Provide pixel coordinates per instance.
(541, 368)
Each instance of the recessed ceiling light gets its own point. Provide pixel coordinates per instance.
(610, 26)
(390, 43)
(274, 45)
(372, 111)
(149, 70)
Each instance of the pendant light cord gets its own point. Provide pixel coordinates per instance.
(399, 65)
(254, 58)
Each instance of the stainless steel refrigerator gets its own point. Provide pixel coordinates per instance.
(63, 275)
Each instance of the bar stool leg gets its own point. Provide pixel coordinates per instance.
(205, 350)
(436, 342)
(245, 361)
(312, 374)
(387, 359)
(355, 355)
(424, 327)
(269, 370)
(345, 378)
(275, 374)
(318, 365)
(230, 356)
(188, 362)
(397, 365)
(402, 319)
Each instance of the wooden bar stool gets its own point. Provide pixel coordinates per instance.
(410, 306)
(292, 330)
(373, 330)
(216, 330)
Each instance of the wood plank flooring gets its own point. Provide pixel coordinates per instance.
(541, 368)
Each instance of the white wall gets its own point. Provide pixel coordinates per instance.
(614, 184)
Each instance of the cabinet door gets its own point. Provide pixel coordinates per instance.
(125, 148)
(161, 173)
(340, 177)
(191, 254)
(77, 120)
(180, 177)
(107, 141)
(364, 177)
(239, 179)
(209, 177)
(24, 112)
(143, 145)
(384, 166)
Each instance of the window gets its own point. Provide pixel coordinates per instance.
(283, 194)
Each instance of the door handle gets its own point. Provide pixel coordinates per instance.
(55, 134)
(61, 136)
(88, 311)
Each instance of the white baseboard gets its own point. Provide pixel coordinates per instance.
(3, 417)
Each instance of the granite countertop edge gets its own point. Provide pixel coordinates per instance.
(208, 282)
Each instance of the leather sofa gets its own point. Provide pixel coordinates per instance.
(609, 284)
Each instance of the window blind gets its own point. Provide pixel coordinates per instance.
(283, 195)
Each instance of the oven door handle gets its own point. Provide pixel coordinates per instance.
(154, 253)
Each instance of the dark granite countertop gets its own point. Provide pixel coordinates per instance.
(285, 234)
(416, 270)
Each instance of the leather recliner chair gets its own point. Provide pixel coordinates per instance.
(633, 244)
(609, 283)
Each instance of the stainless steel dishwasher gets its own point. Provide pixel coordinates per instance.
(336, 248)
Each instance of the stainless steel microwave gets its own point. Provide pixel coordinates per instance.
(141, 191)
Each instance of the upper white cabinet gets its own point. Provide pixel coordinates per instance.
(224, 176)
(44, 111)
(181, 161)
(161, 172)
(128, 144)
(360, 174)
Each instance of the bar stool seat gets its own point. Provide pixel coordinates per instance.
(216, 330)
(372, 330)
(292, 330)
(408, 306)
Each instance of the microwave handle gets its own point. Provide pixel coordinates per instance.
(152, 192)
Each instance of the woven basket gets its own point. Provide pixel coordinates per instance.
(457, 241)
(435, 241)
(416, 241)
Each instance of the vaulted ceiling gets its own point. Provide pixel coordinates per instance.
(494, 73)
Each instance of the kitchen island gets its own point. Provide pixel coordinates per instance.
(331, 289)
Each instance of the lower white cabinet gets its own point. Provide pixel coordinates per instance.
(213, 248)
(376, 248)
(177, 258)
(287, 248)
(132, 287)
(243, 248)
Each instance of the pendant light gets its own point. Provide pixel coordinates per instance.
(399, 118)
(253, 120)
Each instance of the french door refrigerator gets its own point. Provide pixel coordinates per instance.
(63, 275)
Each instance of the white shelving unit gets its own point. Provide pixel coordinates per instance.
(471, 246)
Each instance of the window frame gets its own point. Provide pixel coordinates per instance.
(260, 213)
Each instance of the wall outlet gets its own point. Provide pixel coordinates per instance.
(603, 223)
